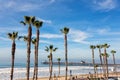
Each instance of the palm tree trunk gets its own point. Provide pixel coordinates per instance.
(66, 59)
(59, 68)
(114, 58)
(100, 59)
(107, 67)
(114, 62)
(104, 67)
(93, 60)
(106, 64)
(29, 50)
(51, 64)
(37, 46)
(34, 73)
(13, 57)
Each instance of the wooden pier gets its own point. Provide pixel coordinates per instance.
(79, 64)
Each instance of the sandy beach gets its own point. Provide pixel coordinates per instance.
(112, 74)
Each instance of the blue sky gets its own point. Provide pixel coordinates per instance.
(91, 22)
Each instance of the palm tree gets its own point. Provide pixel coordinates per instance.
(28, 20)
(92, 47)
(105, 67)
(51, 50)
(13, 36)
(105, 46)
(113, 52)
(99, 47)
(65, 31)
(37, 24)
(34, 43)
(59, 59)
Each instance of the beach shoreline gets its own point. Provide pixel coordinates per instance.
(99, 75)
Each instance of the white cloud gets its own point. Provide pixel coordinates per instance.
(4, 39)
(27, 7)
(44, 41)
(51, 36)
(102, 31)
(78, 36)
(104, 4)
(107, 31)
(11, 29)
(15, 5)
(45, 21)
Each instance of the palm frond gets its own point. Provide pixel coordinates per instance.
(20, 37)
(33, 19)
(55, 49)
(22, 22)
(47, 49)
(34, 41)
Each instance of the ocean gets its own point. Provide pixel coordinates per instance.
(43, 70)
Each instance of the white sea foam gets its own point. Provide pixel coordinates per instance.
(44, 71)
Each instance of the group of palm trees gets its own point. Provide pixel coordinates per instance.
(103, 58)
(31, 21)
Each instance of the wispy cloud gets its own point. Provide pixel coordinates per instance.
(45, 21)
(4, 39)
(44, 41)
(105, 5)
(107, 31)
(51, 36)
(15, 5)
(10, 29)
(102, 31)
(78, 36)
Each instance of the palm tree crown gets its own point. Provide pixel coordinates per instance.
(113, 51)
(105, 45)
(92, 47)
(38, 24)
(65, 30)
(13, 35)
(59, 59)
(50, 49)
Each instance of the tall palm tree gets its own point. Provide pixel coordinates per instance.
(37, 24)
(13, 36)
(34, 43)
(58, 59)
(51, 49)
(92, 47)
(65, 31)
(105, 46)
(28, 20)
(99, 48)
(113, 52)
